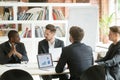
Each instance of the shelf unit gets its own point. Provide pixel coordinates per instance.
(31, 31)
(26, 8)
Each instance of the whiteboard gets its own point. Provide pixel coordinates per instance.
(87, 18)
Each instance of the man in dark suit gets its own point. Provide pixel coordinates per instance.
(77, 56)
(12, 51)
(50, 42)
(43, 46)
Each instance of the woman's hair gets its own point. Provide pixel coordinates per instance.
(96, 72)
(77, 33)
(115, 29)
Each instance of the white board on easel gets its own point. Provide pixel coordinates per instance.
(87, 18)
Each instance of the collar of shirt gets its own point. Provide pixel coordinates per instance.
(51, 45)
(11, 44)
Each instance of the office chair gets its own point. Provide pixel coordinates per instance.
(95, 72)
(16, 74)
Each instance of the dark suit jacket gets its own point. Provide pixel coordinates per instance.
(78, 57)
(5, 49)
(112, 60)
(44, 48)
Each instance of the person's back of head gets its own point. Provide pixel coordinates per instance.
(94, 73)
(16, 74)
(76, 34)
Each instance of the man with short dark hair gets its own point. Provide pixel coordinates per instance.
(50, 42)
(12, 51)
(77, 56)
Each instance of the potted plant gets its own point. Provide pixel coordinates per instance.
(105, 23)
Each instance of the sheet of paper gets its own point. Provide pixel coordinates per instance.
(13, 65)
(56, 53)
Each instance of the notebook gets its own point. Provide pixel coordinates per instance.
(45, 61)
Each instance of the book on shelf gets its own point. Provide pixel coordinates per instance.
(56, 1)
(5, 28)
(39, 31)
(51, 1)
(47, 14)
(82, 1)
(58, 14)
(25, 16)
(6, 13)
(40, 13)
(27, 33)
(35, 15)
(9, 0)
(29, 17)
(37, 0)
(60, 31)
(6, 16)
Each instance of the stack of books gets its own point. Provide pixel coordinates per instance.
(34, 14)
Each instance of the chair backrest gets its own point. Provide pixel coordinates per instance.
(16, 74)
(95, 72)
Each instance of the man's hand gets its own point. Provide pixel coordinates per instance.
(18, 55)
(13, 51)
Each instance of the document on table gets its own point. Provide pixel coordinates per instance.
(56, 53)
(16, 65)
(12, 65)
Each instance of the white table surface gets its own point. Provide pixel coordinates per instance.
(31, 68)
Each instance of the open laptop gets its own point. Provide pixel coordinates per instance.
(45, 61)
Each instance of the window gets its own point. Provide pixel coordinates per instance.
(114, 7)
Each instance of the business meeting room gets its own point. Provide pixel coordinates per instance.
(59, 39)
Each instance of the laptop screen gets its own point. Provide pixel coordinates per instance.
(44, 60)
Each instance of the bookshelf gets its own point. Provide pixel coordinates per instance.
(33, 16)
